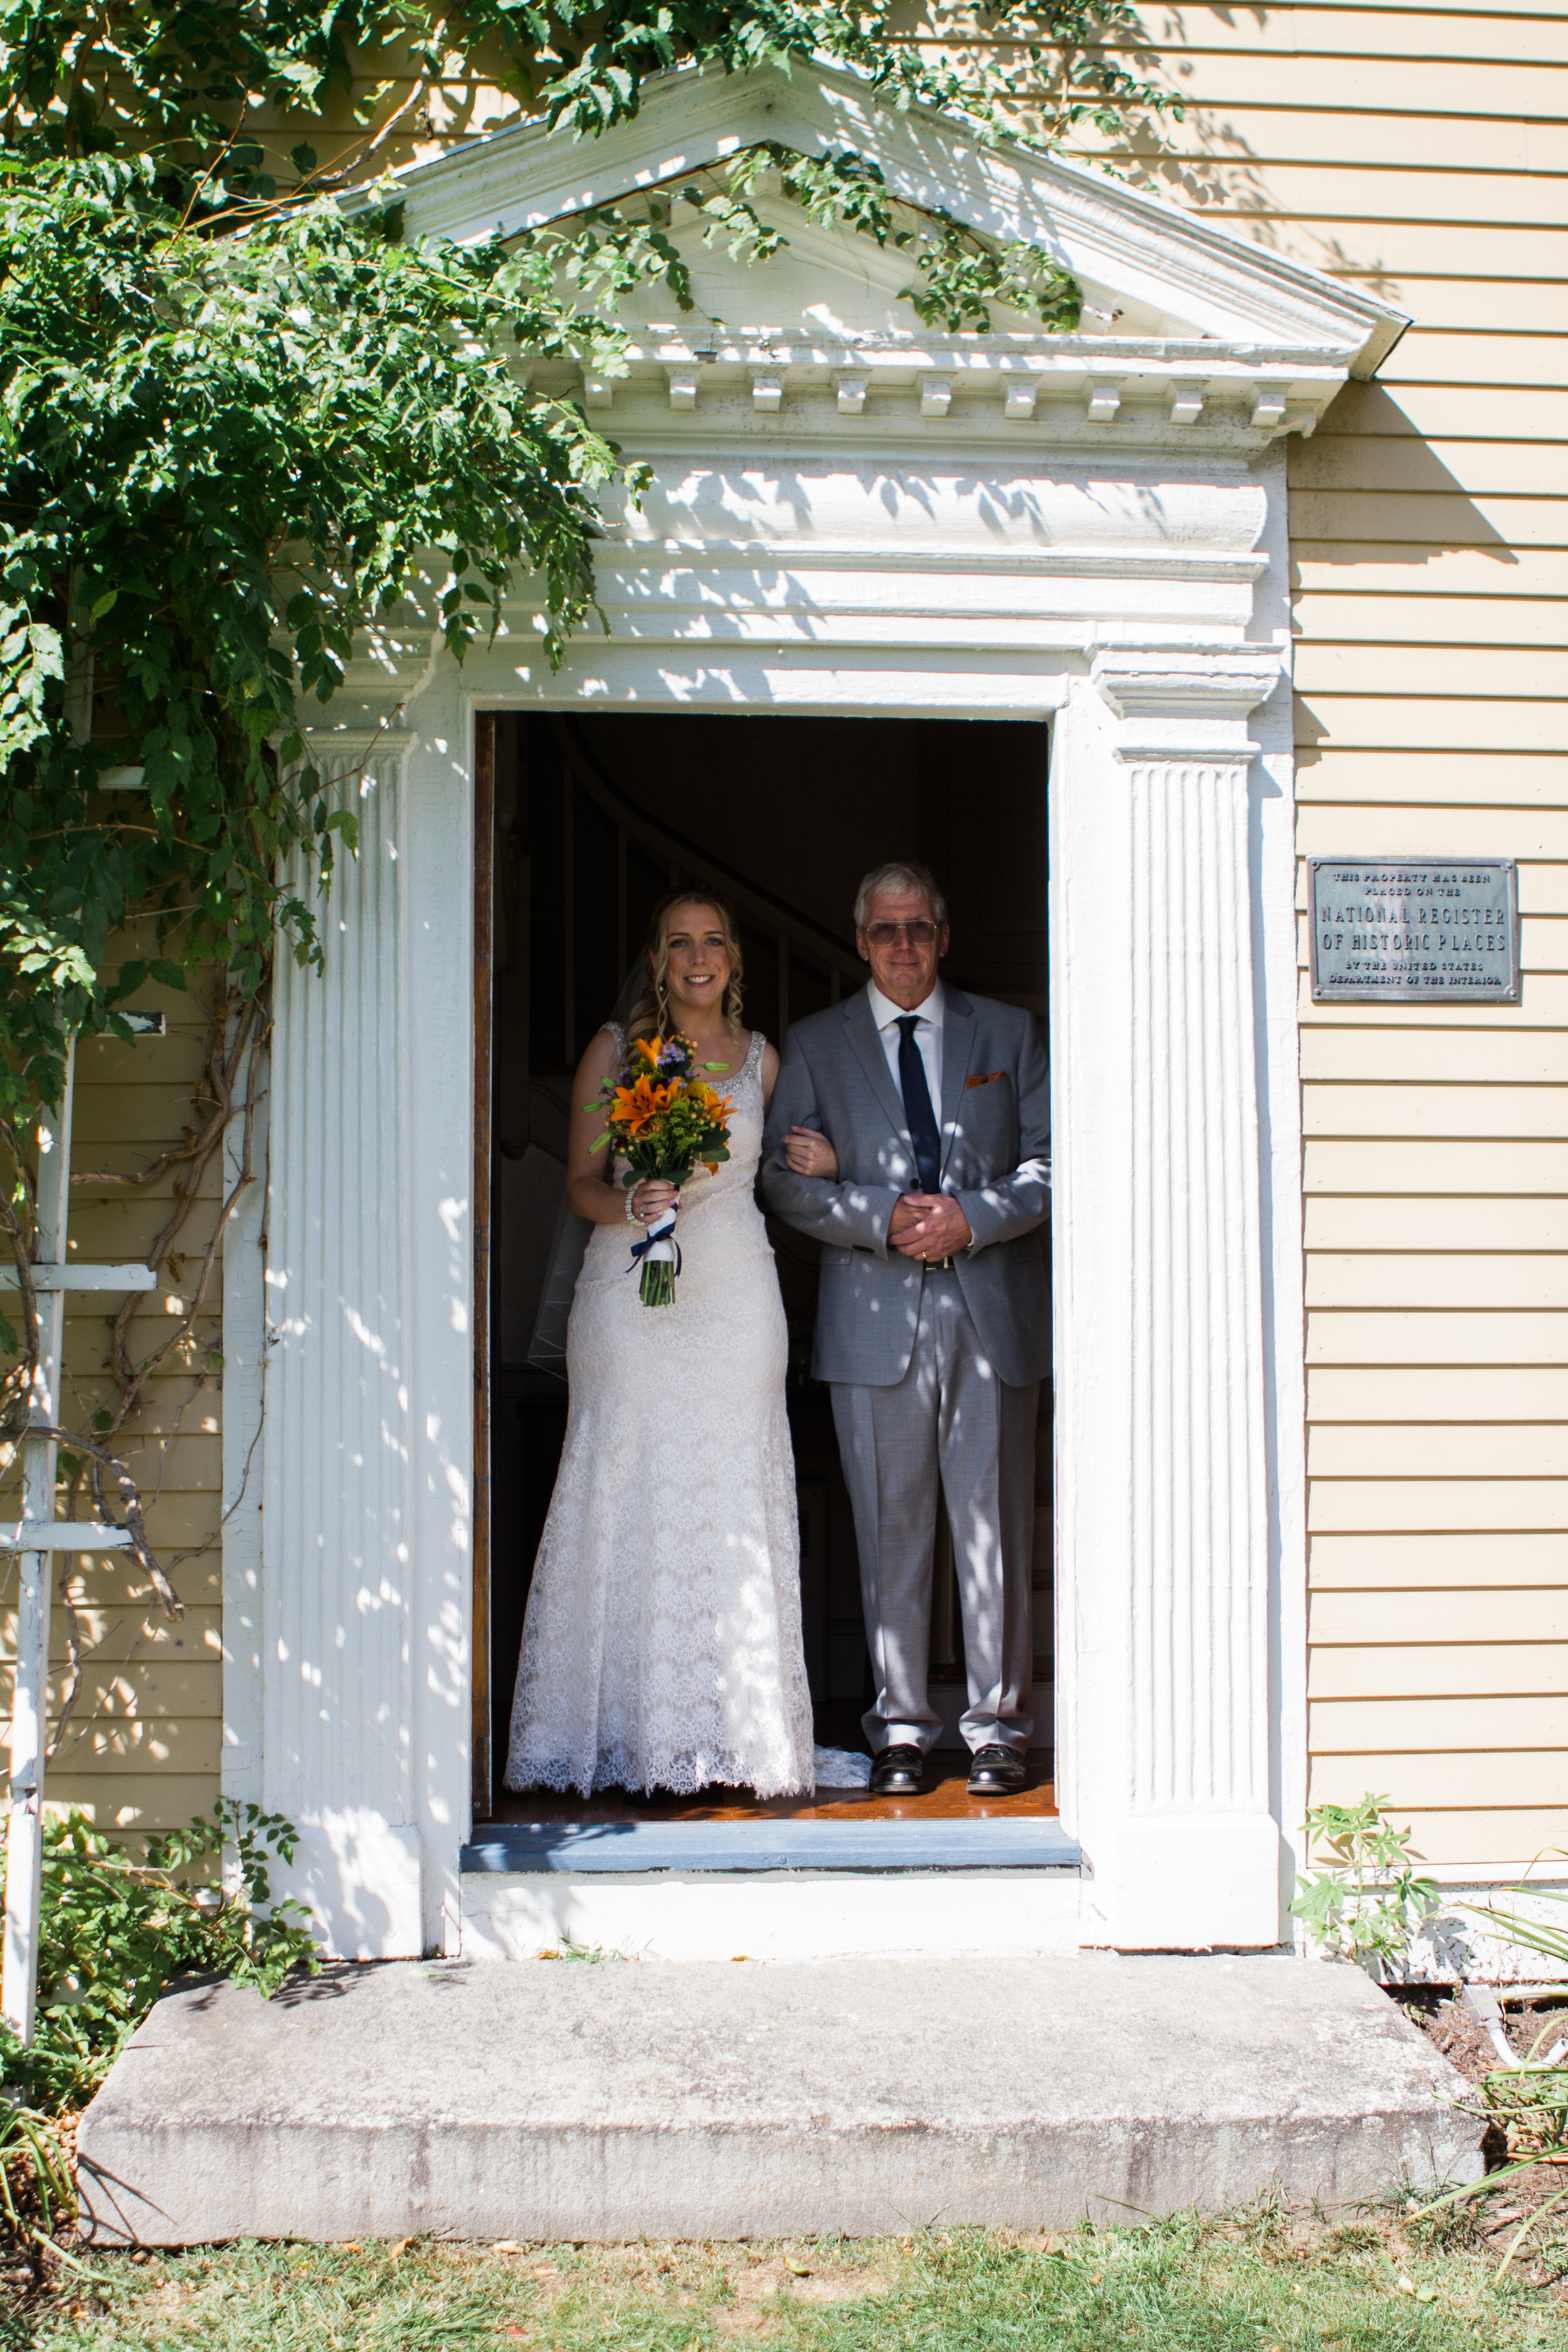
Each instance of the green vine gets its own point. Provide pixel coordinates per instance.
(244, 424)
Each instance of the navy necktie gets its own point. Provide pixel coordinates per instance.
(919, 1116)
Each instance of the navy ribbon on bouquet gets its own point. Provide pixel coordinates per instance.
(640, 1249)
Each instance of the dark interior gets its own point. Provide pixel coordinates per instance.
(596, 817)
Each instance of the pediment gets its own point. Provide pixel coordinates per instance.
(1184, 325)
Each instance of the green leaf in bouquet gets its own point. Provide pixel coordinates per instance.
(598, 1143)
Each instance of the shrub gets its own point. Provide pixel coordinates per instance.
(116, 1928)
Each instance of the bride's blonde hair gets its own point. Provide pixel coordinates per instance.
(650, 1015)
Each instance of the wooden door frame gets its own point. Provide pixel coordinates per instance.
(483, 1712)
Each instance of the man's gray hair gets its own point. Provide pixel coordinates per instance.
(899, 880)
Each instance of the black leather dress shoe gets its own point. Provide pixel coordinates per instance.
(995, 1773)
(898, 1771)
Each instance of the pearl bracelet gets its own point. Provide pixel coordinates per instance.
(632, 1216)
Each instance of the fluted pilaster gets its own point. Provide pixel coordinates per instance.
(337, 1711)
(1164, 1520)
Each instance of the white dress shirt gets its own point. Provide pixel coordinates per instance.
(928, 1038)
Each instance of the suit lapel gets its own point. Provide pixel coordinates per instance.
(958, 1031)
(874, 1061)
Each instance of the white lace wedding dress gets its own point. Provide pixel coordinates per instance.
(662, 1644)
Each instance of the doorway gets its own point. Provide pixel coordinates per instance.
(584, 821)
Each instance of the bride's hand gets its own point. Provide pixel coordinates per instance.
(811, 1154)
(651, 1198)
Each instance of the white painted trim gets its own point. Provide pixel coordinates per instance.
(245, 1344)
(1230, 289)
(1162, 1537)
(1279, 1108)
(340, 1724)
(785, 1914)
(1137, 598)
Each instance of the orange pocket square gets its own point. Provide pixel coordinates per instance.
(986, 1079)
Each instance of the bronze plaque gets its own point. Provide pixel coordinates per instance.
(1414, 930)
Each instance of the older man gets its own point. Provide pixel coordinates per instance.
(934, 1319)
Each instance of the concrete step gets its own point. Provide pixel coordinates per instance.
(547, 2099)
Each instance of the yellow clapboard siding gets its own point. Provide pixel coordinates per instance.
(1396, 568)
(1539, 888)
(1543, 943)
(1349, 1725)
(1509, 1837)
(1418, 415)
(1460, 1622)
(153, 1113)
(1413, 248)
(1335, 1107)
(1457, 1110)
(1483, 361)
(1413, 1506)
(1474, 303)
(1539, 1008)
(1345, 1223)
(1493, 86)
(1473, 417)
(1382, 1223)
(1434, 1279)
(1442, 519)
(1529, 1843)
(1468, 1668)
(174, 1523)
(177, 1058)
(1425, 35)
(170, 1744)
(1389, 465)
(1404, 1563)
(1395, 1164)
(112, 1632)
(1343, 775)
(1318, 190)
(1438, 1393)
(1323, 619)
(188, 1462)
(1400, 1449)
(1353, 1336)
(1428, 1056)
(161, 1801)
(154, 1690)
(123, 1225)
(1529, 673)
(1272, 134)
(1413, 722)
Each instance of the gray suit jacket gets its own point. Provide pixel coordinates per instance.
(995, 1160)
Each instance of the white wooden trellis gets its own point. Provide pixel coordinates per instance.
(35, 1537)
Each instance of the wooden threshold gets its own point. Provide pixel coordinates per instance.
(944, 1799)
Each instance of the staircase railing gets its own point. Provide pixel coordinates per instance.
(791, 934)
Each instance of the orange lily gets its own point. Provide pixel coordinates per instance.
(635, 1106)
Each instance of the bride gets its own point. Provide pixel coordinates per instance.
(662, 1644)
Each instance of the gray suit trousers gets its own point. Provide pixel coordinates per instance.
(949, 1415)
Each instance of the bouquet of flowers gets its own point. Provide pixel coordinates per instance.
(663, 1121)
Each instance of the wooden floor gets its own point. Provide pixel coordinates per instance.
(944, 1799)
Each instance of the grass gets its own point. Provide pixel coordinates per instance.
(1258, 2282)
